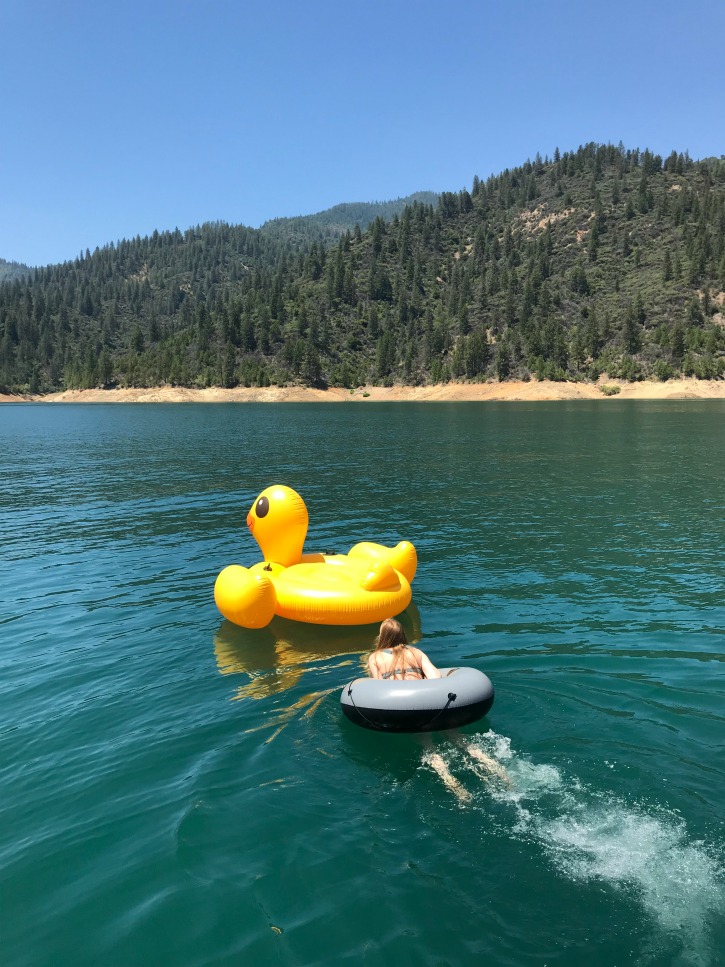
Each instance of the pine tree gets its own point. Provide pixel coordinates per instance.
(476, 356)
(667, 266)
(630, 331)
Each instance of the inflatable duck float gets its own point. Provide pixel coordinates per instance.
(369, 583)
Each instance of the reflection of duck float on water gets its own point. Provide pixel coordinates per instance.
(369, 583)
(270, 660)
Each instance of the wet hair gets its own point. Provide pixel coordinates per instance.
(391, 635)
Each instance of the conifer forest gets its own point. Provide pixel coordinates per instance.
(600, 260)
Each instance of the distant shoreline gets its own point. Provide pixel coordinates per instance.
(510, 391)
(532, 391)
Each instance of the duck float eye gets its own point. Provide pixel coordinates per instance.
(262, 507)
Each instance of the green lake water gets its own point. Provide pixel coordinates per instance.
(178, 791)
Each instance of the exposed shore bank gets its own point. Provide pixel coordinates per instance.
(675, 389)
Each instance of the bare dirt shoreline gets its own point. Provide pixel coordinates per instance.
(676, 389)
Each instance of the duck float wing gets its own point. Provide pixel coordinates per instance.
(245, 598)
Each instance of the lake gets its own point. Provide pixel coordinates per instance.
(180, 791)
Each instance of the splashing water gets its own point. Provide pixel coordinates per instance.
(679, 881)
(590, 836)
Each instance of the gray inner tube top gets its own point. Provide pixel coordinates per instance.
(460, 696)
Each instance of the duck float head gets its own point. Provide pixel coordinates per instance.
(369, 583)
(278, 521)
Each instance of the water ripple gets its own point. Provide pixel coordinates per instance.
(180, 791)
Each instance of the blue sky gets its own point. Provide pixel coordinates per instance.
(120, 118)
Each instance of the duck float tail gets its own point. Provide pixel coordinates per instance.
(369, 584)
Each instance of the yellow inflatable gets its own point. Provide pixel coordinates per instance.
(369, 583)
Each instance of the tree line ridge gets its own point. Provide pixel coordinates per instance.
(599, 260)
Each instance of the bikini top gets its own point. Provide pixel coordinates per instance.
(401, 671)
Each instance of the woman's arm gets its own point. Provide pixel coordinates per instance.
(373, 666)
(429, 669)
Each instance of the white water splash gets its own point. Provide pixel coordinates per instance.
(679, 881)
(592, 837)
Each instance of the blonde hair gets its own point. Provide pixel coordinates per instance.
(391, 635)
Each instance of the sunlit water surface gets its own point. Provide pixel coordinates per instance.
(178, 791)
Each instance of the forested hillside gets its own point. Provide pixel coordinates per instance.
(324, 226)
(599, 260)
(12, 270)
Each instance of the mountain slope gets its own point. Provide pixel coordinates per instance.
(343, 218)
(598, 260)
(13, 270)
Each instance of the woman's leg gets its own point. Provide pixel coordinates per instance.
(477, 753)
(435, 761)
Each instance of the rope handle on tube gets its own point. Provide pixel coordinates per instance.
(359, 712)
(451, 698)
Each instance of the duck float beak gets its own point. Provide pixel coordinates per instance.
(250, 522)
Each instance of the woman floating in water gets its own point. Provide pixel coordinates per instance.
(393, 659)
